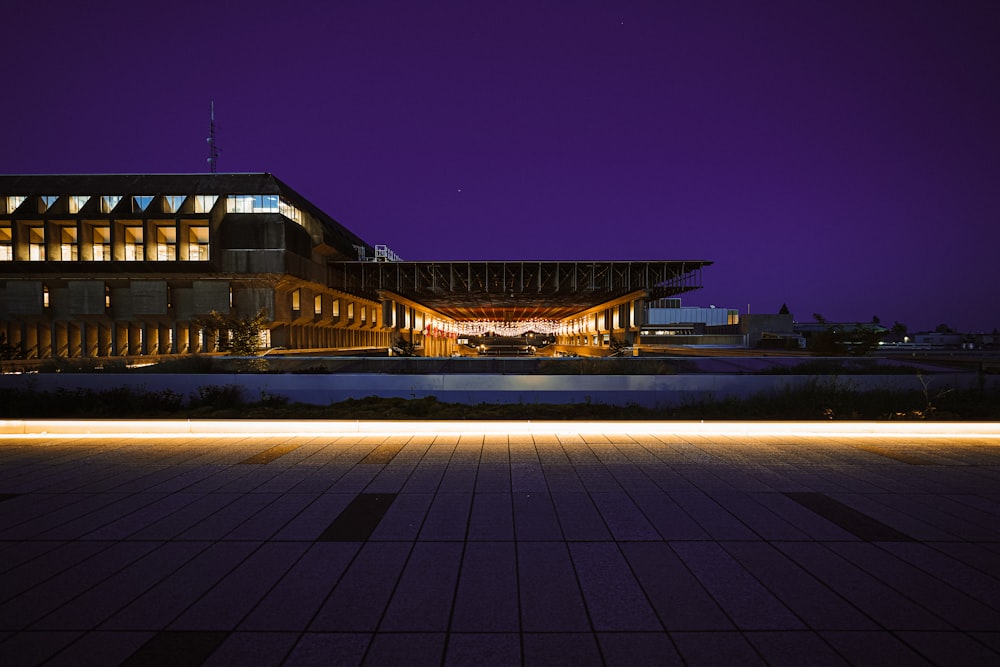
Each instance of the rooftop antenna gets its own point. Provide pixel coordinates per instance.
(213, 147)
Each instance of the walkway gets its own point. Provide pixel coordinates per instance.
(544, 545)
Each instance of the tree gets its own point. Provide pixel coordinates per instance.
(8, 351)
(857, 339)
(239, 336)
(898, 328)
(944, 328)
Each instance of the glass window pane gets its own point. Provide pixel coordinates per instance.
(143, 201)
(108, 202)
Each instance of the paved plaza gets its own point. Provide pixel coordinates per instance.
(475, 545)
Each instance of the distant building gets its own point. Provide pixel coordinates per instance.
(130, 265)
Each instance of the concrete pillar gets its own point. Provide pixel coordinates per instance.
(44, 340)
(91, 346)
(150, 338)
(134, 339)
(31, 341)
(60, 340)
(104, 346)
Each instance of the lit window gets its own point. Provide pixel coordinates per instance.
(336, 307)
(76, 202)
(252, 204)
(101, 246)
(289, 211)
(318, 304)
(36, 243)
(6, 243)
(364, 312)
(166, 244)
(67, 244)
(297, 300)
(374, 316)
(13, 201)
(133, 244)
(142, 201)
(107, 296)
(45, 296)
(48, 201)
(350, 311)
(108, 203)
(197, 241)
(204, 203)
(173, 203)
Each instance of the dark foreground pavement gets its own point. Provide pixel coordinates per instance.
(469, 548)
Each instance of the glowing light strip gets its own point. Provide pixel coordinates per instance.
(237, 428)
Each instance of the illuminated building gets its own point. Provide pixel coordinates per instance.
(127, 265)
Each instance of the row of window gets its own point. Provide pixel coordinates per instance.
(317, 306)
(165, 204)
(108, 203)
(128, 241)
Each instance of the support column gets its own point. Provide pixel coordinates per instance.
(104, 340)
(60, 340)
(91, 347)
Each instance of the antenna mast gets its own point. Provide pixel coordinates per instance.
(213, 147)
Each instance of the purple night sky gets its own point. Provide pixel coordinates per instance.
(842, 157)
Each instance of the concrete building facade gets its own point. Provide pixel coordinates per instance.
(131, 265)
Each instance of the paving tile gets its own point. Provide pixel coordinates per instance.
(665, 580)
(712, 517)
(797, 589)
(846, 517)
(177, 648)
(950, 648)
(873, 649)
(48, 564)
(362, 594)
(745, 600)
(310, 523)
(233, 596)
(34, 648)
(303, 588)
(550, 596)
(487, 598)
(100, 648)
(485, 649)
(158, 606)
(402, 648)
(404, 518)
(252, 648)
(448, 517)
(561, 648)
(960, 609)
(628, 649)
(715, 648)
(793, 649)
(578, 517)
(622, 517)
(92, 607)
(21, 611)
(535, 517)
(492, 518)
(423, 597)
(881, 603)
(358, 520)
(614, 598)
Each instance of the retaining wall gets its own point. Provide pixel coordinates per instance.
(471, 389)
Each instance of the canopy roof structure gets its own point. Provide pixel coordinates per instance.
(516, 290)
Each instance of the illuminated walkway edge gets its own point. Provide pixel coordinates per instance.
(215, 428)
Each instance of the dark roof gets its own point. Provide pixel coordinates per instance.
(139, 184)
(516, 290)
